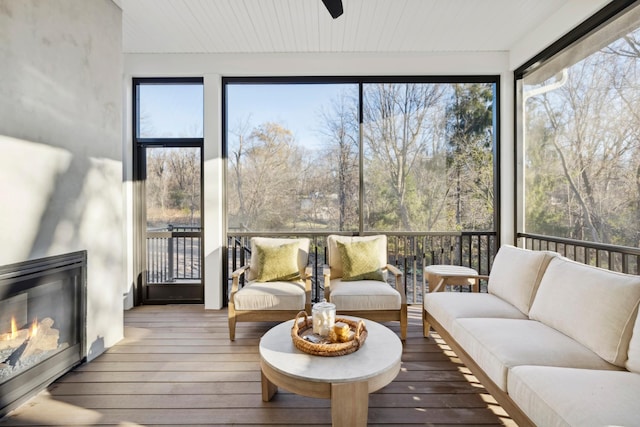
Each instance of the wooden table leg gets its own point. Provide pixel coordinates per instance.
(349, 404)
(268, 388)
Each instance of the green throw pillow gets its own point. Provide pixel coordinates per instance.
(278, 263)
(360, 260)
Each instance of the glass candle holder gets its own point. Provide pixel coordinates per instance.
(324, 317)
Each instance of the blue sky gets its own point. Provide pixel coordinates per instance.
(175, 110)
(171, 110)
(295, 106)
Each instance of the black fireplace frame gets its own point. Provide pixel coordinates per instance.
(18, 277)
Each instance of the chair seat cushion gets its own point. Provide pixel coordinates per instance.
(364, 295)
(446, 307)
(270, 296)
(553, 396)
(497, 345)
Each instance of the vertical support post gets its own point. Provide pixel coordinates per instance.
(171, 276)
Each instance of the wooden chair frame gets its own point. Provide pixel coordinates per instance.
(377, 315)
(263, 315)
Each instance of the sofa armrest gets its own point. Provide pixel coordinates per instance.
(444, 277)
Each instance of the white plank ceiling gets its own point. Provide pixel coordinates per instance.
(292, 26)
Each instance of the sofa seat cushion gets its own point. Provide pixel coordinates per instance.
(553, 396)
(516, 274)
(270, 296)
(364, 295)
(497, 345)
(446, 307)
(594, 306)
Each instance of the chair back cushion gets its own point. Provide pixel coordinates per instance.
(595, 307)
(360, 260)
(277, 259)
(356, 270)
(516, 273)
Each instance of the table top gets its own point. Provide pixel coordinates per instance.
(450, 270)
(381, 352)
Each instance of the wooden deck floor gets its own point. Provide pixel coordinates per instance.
(176, 366)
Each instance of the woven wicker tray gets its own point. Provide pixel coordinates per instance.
(302, 327)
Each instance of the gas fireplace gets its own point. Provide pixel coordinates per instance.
(42, 324)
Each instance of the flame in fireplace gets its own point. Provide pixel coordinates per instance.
(34, 328)
(14, 328)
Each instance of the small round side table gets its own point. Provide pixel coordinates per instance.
(439, 276)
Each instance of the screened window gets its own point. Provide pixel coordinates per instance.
(428, 156)
(580, 131)
(361, 155)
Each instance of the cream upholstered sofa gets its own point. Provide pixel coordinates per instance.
(555, 342)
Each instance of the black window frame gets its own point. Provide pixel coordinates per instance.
(597, 21)
(139, 177)
(493, 79)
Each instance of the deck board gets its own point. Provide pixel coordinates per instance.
(176, 366)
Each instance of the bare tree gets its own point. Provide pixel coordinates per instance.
(184, 166)
(593, 131)
(268, 178)
(470, 143)
(236, 154)
(394, 130)
(341, 132)
(157, 179)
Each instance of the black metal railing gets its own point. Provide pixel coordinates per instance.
(611, 257)
(411, 252)
(173, 254)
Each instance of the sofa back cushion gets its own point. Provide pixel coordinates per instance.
(633, 362)
(516, 273)
(595, 307)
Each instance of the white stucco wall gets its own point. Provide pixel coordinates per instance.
(61, 168)
(213, 67)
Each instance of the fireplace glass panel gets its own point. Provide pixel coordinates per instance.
(36, 324)
(42, 324)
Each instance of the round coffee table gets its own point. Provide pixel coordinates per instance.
(346, 380)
